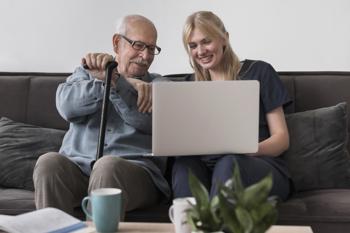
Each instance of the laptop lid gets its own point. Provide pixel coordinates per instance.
(207, 117)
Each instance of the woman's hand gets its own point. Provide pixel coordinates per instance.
(278, 142)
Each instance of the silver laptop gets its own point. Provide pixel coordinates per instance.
(207, 117)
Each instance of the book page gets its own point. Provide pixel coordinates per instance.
(40, 221)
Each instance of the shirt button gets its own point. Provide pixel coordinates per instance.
(105, 144)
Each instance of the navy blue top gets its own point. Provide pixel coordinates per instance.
(273, 94)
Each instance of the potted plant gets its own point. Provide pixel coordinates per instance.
(236, 209)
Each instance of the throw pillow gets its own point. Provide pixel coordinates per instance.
(20, 146)
(317, 157)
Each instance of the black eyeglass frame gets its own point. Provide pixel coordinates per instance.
(153, 49)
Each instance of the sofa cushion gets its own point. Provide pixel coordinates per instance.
(16, 201)
(20, 146)
(311, 204)
(326, 210)
(317, 157)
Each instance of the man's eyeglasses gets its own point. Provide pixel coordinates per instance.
(139, 45)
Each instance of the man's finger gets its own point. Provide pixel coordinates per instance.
(92, 58)
(144, 100)
(88, 60)
(140, 94)
(149, 109)
(107, 58)
(148, 99)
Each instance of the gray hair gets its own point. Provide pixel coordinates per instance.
(123, 22)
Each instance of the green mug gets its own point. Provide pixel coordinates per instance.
(106, 205)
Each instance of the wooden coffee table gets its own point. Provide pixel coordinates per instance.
(136, 227)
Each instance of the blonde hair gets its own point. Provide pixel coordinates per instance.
(211, 25)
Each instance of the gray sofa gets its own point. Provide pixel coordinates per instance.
(29, 98)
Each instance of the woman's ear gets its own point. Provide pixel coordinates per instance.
(227, 38)
(227, 35)
(226, 41)
(115, 40)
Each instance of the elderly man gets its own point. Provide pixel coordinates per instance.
(62, 179)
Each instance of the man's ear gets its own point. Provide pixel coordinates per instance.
(115, 40)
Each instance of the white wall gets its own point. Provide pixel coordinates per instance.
(53, 35)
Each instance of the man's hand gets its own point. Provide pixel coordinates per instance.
(144, 91)
(97, 63)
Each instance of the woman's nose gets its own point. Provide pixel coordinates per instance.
(201, 50)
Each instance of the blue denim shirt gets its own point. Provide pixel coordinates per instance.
(128, 132)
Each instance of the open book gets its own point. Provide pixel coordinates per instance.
(43, 221)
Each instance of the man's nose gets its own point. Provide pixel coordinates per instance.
(146, 54)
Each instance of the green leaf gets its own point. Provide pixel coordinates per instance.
(227, 212)
(191, 216)
(244, 219)
(258, 192)
(235, 209)
(236, 178)
(205, 212)
(261, 211)
(198, 190)
(214, 206)
(266, 222)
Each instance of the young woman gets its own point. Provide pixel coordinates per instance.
(212, 58)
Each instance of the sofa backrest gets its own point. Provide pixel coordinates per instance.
(311, 90)
(30, 97)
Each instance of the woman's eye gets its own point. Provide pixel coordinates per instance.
(206, 41)
(192, 46)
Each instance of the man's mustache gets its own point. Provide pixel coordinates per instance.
(139, 61)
